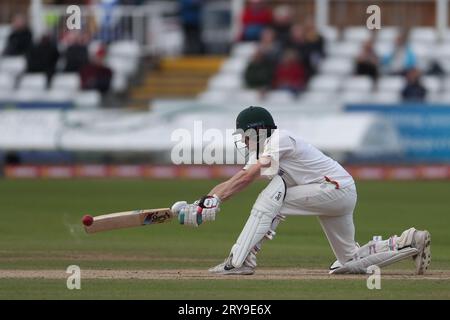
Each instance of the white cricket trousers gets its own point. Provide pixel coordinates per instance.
(334, 209)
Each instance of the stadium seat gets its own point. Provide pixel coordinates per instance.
(356, 34)
(387, 34)
(225, 82)
(330, 34)
(7, 82)
(5, 30)
(383, 47)
(432, 83)
(5, 96)
(87, 99)
(125, 49)
(278, 97)
(13, 65)
(421, 49)
(119, 83)
(325, 83)
(66, 81)
(27, 95)
(386, 97)
(316, 97)
(213, 96)
(349, 49)
(58, 95)
(391, 84)
(122, 65)
(423, 35)
(363, 84)
(234, 65)
(354, 96)
(248, 96)
(337, 66)
(441, 51)
(244, 50)
(33, 81)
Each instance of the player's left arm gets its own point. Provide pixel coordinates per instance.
(239, 181)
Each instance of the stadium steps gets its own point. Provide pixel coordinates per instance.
(182, 77)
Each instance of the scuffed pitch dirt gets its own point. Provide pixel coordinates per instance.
(195, 274)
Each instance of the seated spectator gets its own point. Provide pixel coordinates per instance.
(76, 54)
(296, 40)
(414, 91)
(282, 23)
(20, 39)
(95, 75)
(43, 57)
(313, 49)
(269, 46)
(259, 72)
(401, 59)
(290, 73)
(255, 17)
(367, 61)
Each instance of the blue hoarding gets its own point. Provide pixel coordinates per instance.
(424, 129)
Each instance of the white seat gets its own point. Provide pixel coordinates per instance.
(7, 82)
(354, 96)
(27, 95)
(225, 82)
(344, 49)
(361, 84)
(247, 96)
(213, 96)
(358, 34)
(244, 50)
(125, 49)
(330, 34)
(5, 30)
(446, 84)
(317, 97)
(13, 65)
(391, 84)
(432, 84)
(66, 81)
(325, 83)
(387, 97)
(33, 81)
(58, 95)
(422, 50)
(441, 51)
(234, 65)
(383, 48)
(423, 34)
(388, 34)
(442, 98)
(122, 65)
(87, 99)
(337, 66)
(278, 97)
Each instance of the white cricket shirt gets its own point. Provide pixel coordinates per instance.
(299, 162)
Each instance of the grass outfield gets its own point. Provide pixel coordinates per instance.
(40, 231)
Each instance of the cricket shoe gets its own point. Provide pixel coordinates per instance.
(226, 268)
(422, 242)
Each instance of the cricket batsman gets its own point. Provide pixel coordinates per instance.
(303, 181)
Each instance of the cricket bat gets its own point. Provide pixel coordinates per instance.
(126, 219)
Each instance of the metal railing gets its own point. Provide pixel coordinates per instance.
(149, 25)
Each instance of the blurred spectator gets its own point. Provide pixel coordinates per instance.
(313, 50)
(296, 40)
(367, 61)
(43, 57)
(269, 45)
(20, 39)
(190, 14)
(76, 54)
(282, 23)
(401, 59)
(290, 73)
(259, 72)
(95, 75)
(414, 91)
(255, 17)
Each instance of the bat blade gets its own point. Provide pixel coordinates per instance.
(128, 219)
